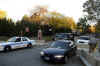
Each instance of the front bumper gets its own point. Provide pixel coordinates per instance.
(1, 48)
(53, 59)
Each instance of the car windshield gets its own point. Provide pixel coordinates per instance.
(59, 35)
(62, 35)
(12, 39)
(60, 45)
(84, 38)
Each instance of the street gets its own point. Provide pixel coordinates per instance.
(31, 57)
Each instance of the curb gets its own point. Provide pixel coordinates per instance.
(89, 60)
(85, 61)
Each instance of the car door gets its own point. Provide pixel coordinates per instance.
(18, 43)
(70, 49)
(25, 42)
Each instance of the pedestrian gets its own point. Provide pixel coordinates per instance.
(99, 48)
(99, 45)
(39, 34)
(92, 45)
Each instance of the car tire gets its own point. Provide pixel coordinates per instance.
(7, 48)
(29, 45)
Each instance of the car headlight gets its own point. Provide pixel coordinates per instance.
(42, 53)
(59, 56)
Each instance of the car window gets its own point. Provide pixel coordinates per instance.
(84, 38)
(60, 45)
(13, 39)
(58, 35)
(18, 39)
(62, 35)
(24, 39)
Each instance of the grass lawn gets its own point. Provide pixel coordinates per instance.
(46, 38)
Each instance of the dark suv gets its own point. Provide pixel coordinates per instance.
(65, 36)
(59, 51)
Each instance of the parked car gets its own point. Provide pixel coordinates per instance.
(16, 42)
(83, 40)
(59, 51)
(65, 36)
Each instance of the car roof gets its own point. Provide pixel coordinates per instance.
(18, 37)
(64, 40)
(84, 36)
(63, 33)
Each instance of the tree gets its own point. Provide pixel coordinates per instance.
(92, 28)
(66, 24)
(82, 24)
(38, 14)
(7, 27)
(50, 20)
(92, 7)
(98, 27)
(3, 14)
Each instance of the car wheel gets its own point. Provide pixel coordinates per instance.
(7, 48)
(29, 45)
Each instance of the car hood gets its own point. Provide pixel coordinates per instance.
(54, 51)
(6, 43)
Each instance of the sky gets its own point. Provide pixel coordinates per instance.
(16, 9)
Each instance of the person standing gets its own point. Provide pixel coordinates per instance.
(99, 45)
(92, 44)
(39, 34)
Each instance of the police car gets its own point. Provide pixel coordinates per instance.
(16, 42)
(83, 40)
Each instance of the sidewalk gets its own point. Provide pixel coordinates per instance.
(92, 59)
(96, 54)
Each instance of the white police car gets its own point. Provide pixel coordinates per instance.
(16, 42)
(83, 40)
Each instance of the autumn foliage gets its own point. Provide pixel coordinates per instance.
(57, 20)
(2, 14)
(49, 22)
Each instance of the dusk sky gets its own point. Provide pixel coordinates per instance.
(17, 8)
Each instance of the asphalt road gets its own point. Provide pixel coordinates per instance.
(31, 57)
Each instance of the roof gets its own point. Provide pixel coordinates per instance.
(65, 40)
(84, 36)
(18, 37)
